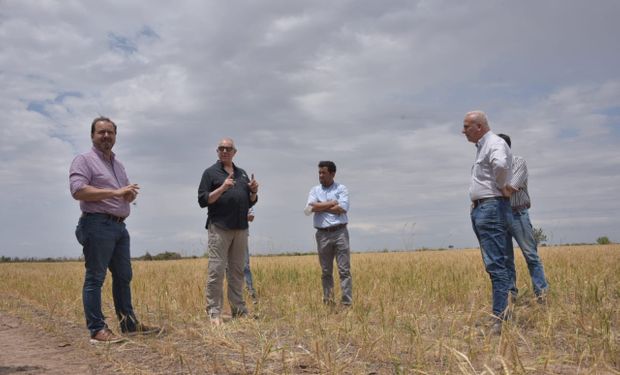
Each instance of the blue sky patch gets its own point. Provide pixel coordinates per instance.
(39, 106)
(121, 44)
(148, 33)
(568, 133)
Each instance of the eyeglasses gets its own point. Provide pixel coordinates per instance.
(225, 148)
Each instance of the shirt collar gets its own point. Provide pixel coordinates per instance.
(222, 165)
(102, 156)
(484, 139)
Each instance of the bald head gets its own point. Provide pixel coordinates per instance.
(475, 125)
(479, 117)
(226, 142)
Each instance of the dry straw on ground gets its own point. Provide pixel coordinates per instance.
(414, 313)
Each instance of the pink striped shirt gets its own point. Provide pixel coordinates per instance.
(91, 168)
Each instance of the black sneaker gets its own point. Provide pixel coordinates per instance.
(542, 300)
(141, 329)
(239, 313)
(496, 328)
(254, 297)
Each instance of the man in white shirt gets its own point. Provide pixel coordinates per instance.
(490, 213)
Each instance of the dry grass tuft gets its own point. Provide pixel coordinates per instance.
(414, 313)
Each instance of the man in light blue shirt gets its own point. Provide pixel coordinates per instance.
(329, 201)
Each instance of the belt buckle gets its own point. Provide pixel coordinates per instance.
(116, 219)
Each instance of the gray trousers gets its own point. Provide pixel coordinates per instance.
(332, 245)
(226, 249)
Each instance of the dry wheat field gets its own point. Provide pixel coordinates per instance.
(413, 313)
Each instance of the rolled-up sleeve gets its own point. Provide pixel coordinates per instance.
(312, 198)
(203, 190)
(501, 160)
(79, 174)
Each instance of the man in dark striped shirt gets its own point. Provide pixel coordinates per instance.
(521, 228)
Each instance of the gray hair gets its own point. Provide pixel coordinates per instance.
(479, 117)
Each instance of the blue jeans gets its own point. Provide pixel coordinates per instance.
(491, 220)
(105, 245)
(247, 273)
(522, 231)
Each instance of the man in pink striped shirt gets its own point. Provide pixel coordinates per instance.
(99, 181)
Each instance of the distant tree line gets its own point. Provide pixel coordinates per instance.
(539, 236)
(168, 255)
(5, 259)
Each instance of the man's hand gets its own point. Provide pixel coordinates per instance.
(129, 192)
(93, 194)
(131, 189)
(229, 182)
(508, 190)
(253, 185)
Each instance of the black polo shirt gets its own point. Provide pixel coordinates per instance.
(230, 211)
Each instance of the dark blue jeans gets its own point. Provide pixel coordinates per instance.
(491, 220)
(523, 232)
(105, 246)
(247, 273)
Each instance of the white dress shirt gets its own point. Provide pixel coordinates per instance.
(492, 169)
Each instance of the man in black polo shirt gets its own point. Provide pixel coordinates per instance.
(228, 193)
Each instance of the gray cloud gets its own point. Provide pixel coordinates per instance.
(378, 87)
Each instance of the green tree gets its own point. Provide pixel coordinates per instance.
(539, 235)
(167, 255)
(603, 240)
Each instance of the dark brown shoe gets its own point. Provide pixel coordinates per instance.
(106, 336)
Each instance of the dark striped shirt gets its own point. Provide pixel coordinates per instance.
(521, 198)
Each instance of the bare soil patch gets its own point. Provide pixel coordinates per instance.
(26, 350)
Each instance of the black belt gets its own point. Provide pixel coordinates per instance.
(332, 228)
(117, 219)
(477, 202)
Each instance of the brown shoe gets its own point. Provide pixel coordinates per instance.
(106, 336)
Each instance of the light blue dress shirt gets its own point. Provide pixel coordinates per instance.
(336, 192)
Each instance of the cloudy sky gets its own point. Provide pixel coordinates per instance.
(379, 87)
